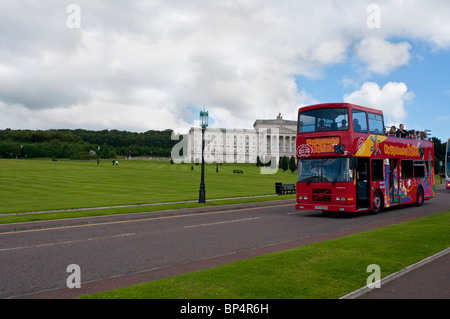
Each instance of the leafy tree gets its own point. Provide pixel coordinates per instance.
(112, 154)
(439, 154)
(258, 162)
(284, 164)
(292, 164)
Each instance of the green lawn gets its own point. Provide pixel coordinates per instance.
(329, 269)
(36, 185)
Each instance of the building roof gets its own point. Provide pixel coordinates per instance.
(276, 122)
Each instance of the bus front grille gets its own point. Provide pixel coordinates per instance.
(321, 195)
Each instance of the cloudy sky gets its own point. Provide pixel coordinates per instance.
(141, 65)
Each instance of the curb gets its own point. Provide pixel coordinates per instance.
(358, 293)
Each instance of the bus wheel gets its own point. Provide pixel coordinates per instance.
(377, 203)
(419, 197)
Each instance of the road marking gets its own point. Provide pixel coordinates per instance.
(223, 222)
(143, 219)
(296, 212)
(65, 242)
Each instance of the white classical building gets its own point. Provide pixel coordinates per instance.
(268, 137)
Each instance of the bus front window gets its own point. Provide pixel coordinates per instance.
(320, 120)
(324, 170)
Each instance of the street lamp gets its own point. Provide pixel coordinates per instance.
(217, 161)
(204, 123)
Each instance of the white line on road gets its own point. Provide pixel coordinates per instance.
(65, 242)
(223, 222)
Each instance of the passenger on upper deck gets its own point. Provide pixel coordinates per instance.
(322, 126)
(401, 132)
(343, 125)
(356, 126)
(392, 131)
(423, 136)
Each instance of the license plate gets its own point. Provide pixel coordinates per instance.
(322, 207)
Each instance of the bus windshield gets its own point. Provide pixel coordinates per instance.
(320, 120)
(324, 170)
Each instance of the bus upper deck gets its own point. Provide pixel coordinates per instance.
(341, 128)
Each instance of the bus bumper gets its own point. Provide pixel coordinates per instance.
(326, 207)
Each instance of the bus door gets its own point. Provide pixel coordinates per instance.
(394, 181)
(362, 183)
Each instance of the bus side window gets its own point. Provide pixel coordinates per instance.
(359, 119)
(377, 169)
(419, 169)
(376, 124)
(407, 169)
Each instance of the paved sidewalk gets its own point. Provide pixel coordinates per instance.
(427, 279)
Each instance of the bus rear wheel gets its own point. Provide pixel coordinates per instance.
(377, 203)
(419, 197)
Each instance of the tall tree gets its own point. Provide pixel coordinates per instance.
(292, 164)
(284, 164)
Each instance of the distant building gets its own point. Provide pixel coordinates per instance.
(244, 145)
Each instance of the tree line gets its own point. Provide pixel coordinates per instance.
(84, 144)
(284, 163)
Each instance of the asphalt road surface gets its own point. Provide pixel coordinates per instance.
(116, 251)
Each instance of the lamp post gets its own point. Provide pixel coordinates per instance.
(204, 123)
(217, 161)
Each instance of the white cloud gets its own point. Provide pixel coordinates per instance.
(94, 116)
(382, 56)
(427, 21)
(391, 99)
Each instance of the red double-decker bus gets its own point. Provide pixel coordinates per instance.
(348, 163)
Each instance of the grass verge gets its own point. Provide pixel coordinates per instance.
(322, 270)
(135, 209)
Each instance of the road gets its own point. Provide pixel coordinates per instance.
(116, 251)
